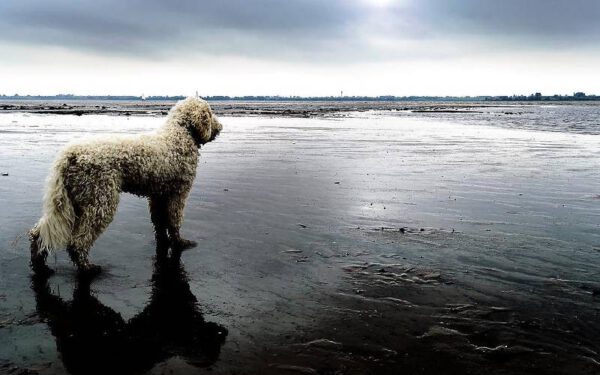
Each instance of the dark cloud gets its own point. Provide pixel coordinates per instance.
(290, 29)
(150, 26)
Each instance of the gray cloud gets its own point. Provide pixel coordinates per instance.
(139, 27)
(523, 21)
(315, 29)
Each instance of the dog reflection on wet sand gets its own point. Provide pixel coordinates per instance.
(94, 339)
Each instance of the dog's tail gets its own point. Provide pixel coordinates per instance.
(54, 229)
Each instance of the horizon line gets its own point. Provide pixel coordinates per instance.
(536, 95)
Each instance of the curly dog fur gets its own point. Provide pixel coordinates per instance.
(82, 192)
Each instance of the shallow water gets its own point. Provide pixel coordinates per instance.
(401, 242)
(580, 117)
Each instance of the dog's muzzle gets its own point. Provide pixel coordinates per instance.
(215, 129)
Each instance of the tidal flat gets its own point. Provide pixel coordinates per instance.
(360, 242)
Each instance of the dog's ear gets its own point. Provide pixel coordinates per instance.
(195, 115)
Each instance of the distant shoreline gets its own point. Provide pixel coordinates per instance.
(384, 98)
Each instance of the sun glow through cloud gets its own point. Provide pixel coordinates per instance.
(380, 3)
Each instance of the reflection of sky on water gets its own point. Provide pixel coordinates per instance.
(524, 205)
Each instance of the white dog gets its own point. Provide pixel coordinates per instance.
(83, 188)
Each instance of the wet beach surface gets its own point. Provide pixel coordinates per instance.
(572, 117)
(366, 242)
(237, 107)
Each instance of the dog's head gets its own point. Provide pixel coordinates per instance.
(196, 116)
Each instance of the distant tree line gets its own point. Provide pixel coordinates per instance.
(539, 97)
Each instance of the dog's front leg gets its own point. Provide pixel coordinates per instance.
(175, 206)
(158, 214)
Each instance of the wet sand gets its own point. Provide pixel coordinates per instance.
(239, 108)
(368, 243)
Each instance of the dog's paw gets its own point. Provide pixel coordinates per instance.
(182, 244)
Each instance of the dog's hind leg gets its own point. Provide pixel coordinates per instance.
(175, 205)
(79, 256)
(91, 221)
(38, 259)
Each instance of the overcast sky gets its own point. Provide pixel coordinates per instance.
(299, 47)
